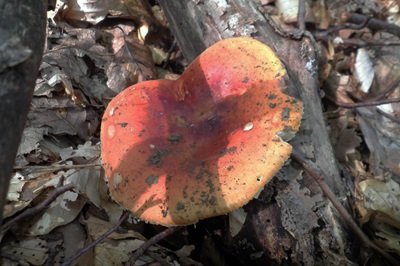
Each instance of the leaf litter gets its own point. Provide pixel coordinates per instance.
(83, 68)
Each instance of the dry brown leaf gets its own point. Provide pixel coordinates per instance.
(236, 221)
(82, 55)
(86, 10)
(87, 151)
(379, 197)
(387, 236)
(381, 136)
(346, 143)
(32, 251)
(118, 252)
(97, 227)
(34, 184)
(139, 55)
(133, 60)
(70, 121)
(31, 139)
(118, 247)
(86, 181)
(75, 238)
(138, 9)
(60, 212)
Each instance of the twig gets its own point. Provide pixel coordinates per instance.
(82, 251)
(297, 156)
(376, 100)
(367, 43)
(296, 34)
(55, 167)
(34, 210)
(372, 23)
(363, 104)
(344, 42)
(152, 241)
(388, 90)
(358, 26)
(171, 49)
(391, 117)
(301, 15)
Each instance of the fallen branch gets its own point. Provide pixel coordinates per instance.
(319, 179)
(22, 37)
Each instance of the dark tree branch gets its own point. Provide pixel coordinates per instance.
(22, 37)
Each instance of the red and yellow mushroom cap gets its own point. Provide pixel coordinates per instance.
(175, 152)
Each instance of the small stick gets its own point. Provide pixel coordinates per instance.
(358, 26)
(364, 104)
(376, 100)
(169, 53)
(359, 42)
(82, 251)
(388, 90)
(152, 241)
(391, 117)
(301, 15)
(34, 210)
(373, 23)
(55, 167)
(298, 157)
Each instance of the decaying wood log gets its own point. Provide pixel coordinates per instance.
(291, 226)
(22, 37)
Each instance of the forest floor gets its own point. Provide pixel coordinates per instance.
(58, 200)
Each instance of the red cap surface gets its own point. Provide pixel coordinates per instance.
(175, 152)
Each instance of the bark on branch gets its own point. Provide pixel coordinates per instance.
(198, 24)
(22, 37)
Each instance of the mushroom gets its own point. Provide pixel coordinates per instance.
(175, 152)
